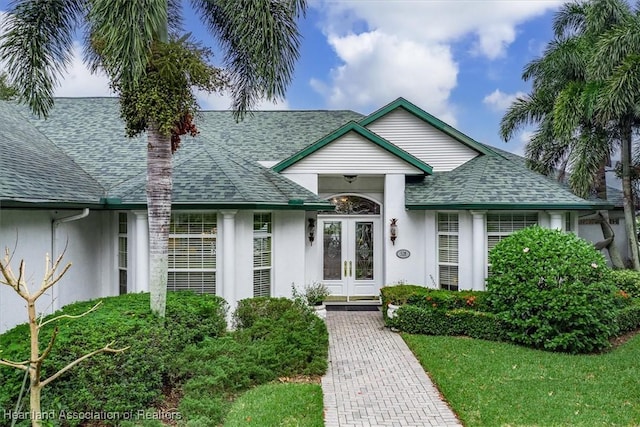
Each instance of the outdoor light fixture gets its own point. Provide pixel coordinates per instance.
(393, 230)
(311, 228)
(350, 178)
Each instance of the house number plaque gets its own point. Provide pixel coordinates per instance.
(403, 253)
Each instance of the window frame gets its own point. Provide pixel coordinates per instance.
(448, 264)
(260, 289)
(208, 241)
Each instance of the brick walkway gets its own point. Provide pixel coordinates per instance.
(374, 379)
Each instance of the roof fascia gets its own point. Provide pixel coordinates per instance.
(365, 133)
(432, 120)
(509, 206)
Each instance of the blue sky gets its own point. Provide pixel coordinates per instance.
(460, 60)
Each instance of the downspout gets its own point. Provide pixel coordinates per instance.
(54, 226)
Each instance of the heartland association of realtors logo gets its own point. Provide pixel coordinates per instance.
(53, 415)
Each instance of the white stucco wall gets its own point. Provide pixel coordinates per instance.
(243, 258)
(91, 275)
(410, 235)
(289, 249)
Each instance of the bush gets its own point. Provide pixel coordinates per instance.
(251, 309)
(627, 281)
(122, 382)
(628, 318)
(440, 299)
(276, 337)
(475, 324)
(553, 290)
(397, 295)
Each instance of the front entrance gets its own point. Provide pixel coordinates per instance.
(352, 253)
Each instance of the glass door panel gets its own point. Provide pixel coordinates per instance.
(332, 244)
(363, 245)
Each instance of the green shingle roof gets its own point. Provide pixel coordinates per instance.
(80, 154)
(34, 169)
(493, 182)
(217, 168)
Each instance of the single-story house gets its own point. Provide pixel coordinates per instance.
(282, 198)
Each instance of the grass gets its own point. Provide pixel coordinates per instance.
(499, 384)
(278, 404)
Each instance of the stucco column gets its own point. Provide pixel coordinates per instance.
(556, 220)
(228, 258)
(478, 262)
(141, 253)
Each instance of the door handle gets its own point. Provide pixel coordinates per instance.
(350, 269)
(345, 269)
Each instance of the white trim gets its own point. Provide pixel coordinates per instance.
(479, 264)
(141, 250)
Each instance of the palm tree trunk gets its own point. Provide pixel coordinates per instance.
(629, 205)
(607, 231)
(159, 187)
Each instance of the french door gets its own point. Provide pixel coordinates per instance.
(351, 255)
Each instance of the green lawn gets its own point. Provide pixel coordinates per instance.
(287, 405)
(498, 384)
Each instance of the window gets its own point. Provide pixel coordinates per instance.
(262, 255)
(448, 251)
(568, 222)
(500, 225)
(122, 253)
(192, 252)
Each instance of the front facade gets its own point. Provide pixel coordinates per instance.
(283, 199)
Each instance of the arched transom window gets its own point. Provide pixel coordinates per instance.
(353, 205)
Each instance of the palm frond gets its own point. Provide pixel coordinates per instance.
(44, 29)
(112, 44)
(527, 110)
(620, 94)
(589, 154)
(568, 111)
(261, 43)
(569, 19)
(614, 46)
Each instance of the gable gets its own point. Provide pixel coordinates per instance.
(352, 153)
(423, 140)
(353, 149)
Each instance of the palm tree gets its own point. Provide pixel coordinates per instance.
(562, 102)
(154, 69)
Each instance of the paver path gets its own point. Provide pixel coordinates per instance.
(373, 378)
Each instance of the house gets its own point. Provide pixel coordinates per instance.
(282, 198)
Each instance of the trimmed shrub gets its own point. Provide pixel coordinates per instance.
(276, 337)
(627, 281)
(553, 290)
(121, 382)
(251, 309)
(475, 324)
(440, 299)
(628, 318)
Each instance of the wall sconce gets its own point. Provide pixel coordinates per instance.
(350, 178)
(393, 230)
(311, 228)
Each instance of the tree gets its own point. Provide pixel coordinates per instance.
(7, 92)
(33, 365)
(154, 68)
(563, 103)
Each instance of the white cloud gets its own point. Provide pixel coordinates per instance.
(80, 82)
(404, 47)
(499, 101)
(379, 67)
